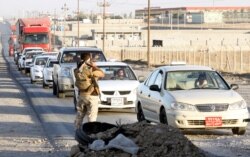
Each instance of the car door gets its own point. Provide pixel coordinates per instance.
(155, 97)
(144, 94)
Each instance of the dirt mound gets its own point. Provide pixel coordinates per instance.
(152, 140)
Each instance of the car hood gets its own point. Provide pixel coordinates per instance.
(206, 96)
(68, 65)
(111, 85)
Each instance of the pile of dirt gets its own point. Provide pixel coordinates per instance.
(152, 140)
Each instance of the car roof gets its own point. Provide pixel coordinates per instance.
(81, 49)
(35, 51)
(33, 48)
(185, 67)
(111, 64)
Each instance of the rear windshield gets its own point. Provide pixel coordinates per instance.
(75, 56)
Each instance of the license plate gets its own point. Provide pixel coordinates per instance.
(213, 121)
(116, 101)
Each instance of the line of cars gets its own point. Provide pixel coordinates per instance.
(170, 95)
(56, 70)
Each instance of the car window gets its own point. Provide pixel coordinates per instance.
(195, 79)
(151, 79)
(74, 56)
(158, 80)
(118, 73)
(41, 61)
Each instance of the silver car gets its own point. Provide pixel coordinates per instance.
(191, 97)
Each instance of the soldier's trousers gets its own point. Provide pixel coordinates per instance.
(87, 105)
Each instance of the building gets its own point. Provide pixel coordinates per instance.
(197, 14)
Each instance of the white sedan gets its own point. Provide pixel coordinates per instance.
(191, 97)
(37, 68)
(116, 91)
(47, 71)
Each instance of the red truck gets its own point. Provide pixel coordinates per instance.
(33, 32)
(12, 41)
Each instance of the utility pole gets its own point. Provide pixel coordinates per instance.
(78, 29)
(104, 5)
(65, 9)
(54, 37)
(148, 53)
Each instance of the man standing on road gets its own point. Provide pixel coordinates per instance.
(87, 74)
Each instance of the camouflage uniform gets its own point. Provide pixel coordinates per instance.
(88, 97)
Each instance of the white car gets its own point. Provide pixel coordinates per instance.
(28, 59)
(115, 92)
(36, 70)
(20, 62)
(191, 97)
(47, 71)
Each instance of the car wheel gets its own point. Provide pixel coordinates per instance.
(163, 116)
(75, 101)
(239, 130)
(45, 86)
(59, 94)
(54, 88)
(140, 114)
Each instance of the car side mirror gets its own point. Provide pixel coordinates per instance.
(234, 86)
(154, 88)
(141, 79)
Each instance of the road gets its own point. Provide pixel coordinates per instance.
(57, 116)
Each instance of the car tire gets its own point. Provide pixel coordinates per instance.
(239, 131)
(45, 86)
(54, 88)
(140, 114)
(59, 94)
(75, 101)
(163, 116)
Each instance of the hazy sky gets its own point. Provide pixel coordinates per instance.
(10, 8)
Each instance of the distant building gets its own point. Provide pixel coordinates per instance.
(197, 14)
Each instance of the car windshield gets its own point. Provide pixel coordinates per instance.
(186, 80)
(36, 38)
(51, 64)
(41, 61)
(118, 73)
(75, 56)
(31, 55)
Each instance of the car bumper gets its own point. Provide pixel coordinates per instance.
(48, 80)
(37, 76)
(191, 120)
(65, 84)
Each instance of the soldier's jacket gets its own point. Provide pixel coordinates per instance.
(86, 80)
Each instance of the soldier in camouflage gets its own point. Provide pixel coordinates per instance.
(87, 74)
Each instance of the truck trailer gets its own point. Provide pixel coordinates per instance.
(33, 32)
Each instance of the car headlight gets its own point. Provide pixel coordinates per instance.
(65, 72)
(238, 105)
(182, 106)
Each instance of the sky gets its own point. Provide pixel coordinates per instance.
(19, 8)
